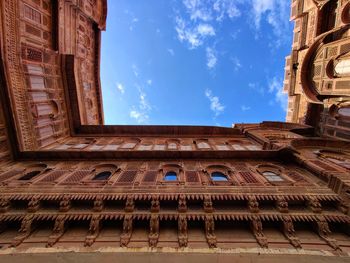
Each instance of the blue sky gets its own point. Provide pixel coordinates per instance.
(195, 62)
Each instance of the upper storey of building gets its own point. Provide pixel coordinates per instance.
(47, 49)
(317, 73)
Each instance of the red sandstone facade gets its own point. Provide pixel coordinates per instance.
(317, 73)
(70, 183)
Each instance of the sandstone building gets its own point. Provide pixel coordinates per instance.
(73, 187)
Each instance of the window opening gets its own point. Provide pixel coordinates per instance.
(102, 176)
(218, 176)
(170, 176)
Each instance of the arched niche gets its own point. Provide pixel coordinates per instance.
(318, 78)
(274, 174)
(345, 14)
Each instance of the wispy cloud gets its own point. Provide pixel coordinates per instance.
(201, 19)
(236, 63)
(194, 36)
(275, 13)
(256, 87)
(211, 57)
(135, 70)
(149, 82)
(120, 88)
(215, 104)
(171, 51)
(275, 86)
(245, 108)
(141, 112)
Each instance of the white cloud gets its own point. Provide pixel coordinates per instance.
(215, 104)
(194, 36)
(140, 117)
(171, 51)
(236, 63)
(211, 58)
(245, 108)
(276, 88)
(141, 112)
(121, 88)
(205, 30)
(135, 70)
(149, 82)
(275, 13)
(201, 19)
(256, 87)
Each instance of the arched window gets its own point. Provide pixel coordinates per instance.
(218, 176)
(342, 67)
(170, 176)
(344, 112)
(29, 176)
(102, 175)
(272, 176)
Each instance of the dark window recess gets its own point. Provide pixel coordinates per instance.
(102, 176)
(150, 176)
(170, 176)
(29, 176)
(127, 176)
(218, 176)
(248, 177)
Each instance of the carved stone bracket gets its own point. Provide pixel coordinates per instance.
(324, 232)
(210, 231)
(94, 230)
(130, 204)
(343, 206)
(253, 204)
(33, 205)
(257, 229)
(153, 231)
(155, 204)
(208, 204)
(314, 205)
(289, 232)
(182, 207)
(24, 231)
(282, 204)
(4, 205)
(98, 204)
(127, 231)
(65, 204)
(58, 231)
(182, 231)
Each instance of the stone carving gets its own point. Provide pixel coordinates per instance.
(253, 204)
(324, 232)
(24, 231)
(209, 231)
(153, 231)
(208, 204)
(4, 205)
(33, 205)
(127, 231)
(58, 231)
(130, 204)
(257, 229)
(289, 232)
(155, 204)
(182, 231)
(182, 207)
(65, 204)
(98, 204)
(343, 206)
(94, 230)
(314, 205)
(282, 204)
